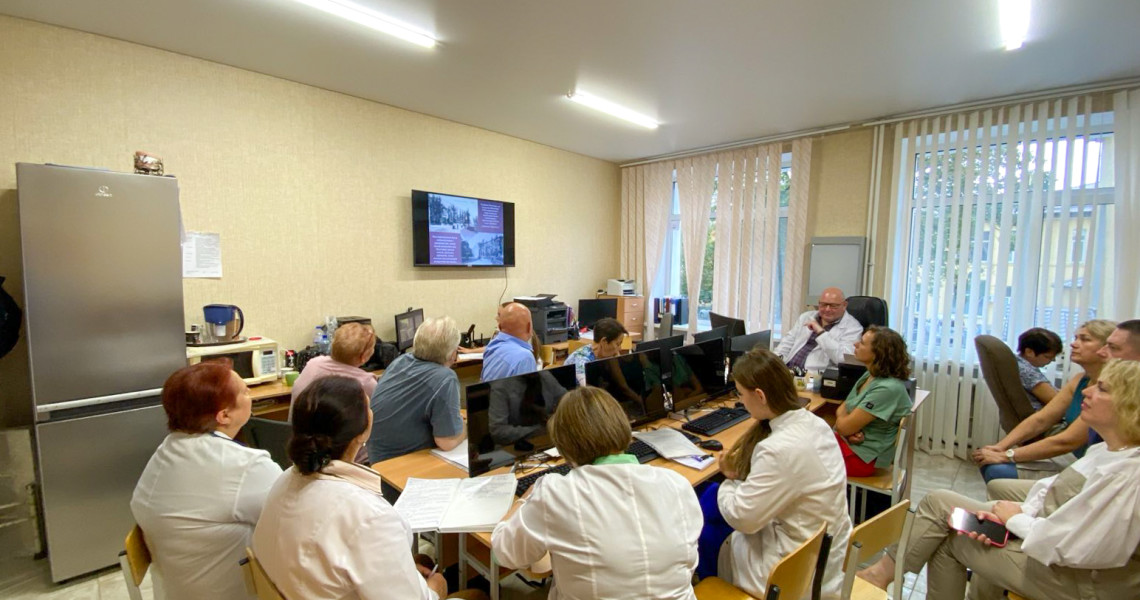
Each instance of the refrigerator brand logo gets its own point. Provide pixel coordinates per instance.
(104, 192)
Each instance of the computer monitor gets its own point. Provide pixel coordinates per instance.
(740, 344)
(716, 333)
(506, 418)
(665, 346)
(406, 326)
(593, 309)
(698, 373)
(634, 380)
(735, 326)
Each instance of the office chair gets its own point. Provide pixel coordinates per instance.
(134, 560)
(271, 435)
(868, 310)
(999, 369)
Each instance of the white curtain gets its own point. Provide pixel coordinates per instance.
(646, 199)
(746, 263)
(796, 244)
(1000, 225)
(696, 179)
(1126, 109)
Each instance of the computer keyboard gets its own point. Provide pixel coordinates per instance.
(717, 421)
(526, 481)
(644, 452)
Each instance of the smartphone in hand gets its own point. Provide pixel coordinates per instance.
(966, 521)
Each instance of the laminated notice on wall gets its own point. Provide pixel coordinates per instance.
(202, 255)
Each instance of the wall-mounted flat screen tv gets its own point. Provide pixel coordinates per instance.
(457, 231)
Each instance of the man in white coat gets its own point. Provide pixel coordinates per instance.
(820, 338)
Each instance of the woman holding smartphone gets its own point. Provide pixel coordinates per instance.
(1076, 535)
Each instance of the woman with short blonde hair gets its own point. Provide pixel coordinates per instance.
(352, 346)
(613, 528)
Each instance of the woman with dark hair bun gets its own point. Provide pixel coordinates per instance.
(867, 423)
(326, 530)
(201, 492)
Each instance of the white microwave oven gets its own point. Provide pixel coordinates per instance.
(256, 361)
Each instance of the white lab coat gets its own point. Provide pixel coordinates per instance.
(197, 502)
(830, 345)
(328, 538)
(1099, 528)
(612, 531)
(797, 482)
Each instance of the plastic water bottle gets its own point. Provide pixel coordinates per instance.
(321, 340)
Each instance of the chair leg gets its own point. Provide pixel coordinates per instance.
(133, 591)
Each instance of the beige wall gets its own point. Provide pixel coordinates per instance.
(309, 189)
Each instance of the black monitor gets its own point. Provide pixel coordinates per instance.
(634, 380)
(735, 326)
(506, 418)
(406, 326)
(665, 346)
(741, 344)
(698, 373)
(716, 333)
(591, 310)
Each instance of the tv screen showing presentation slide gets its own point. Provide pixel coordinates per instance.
(457, 231)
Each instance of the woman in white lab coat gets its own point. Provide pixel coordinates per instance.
(613, 528)
(1077, 535)
(782, 480)
(326, 530)
(201, 492)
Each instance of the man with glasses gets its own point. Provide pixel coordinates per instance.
(820, 338)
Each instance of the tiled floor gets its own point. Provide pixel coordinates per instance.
(26, 579)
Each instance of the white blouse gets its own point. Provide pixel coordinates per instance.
(197, 502)
(797, 482)
(327, 538)
(1099, 528)
(612, 531)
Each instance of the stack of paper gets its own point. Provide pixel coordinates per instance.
(456, 505)
(457, 456)
(672, 444)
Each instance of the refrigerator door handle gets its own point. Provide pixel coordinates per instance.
(96, 401)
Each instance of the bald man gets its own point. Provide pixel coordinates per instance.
(510, 352)
(820, 338)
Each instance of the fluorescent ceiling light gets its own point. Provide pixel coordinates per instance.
(621, 112)
(1014, 16)
(373, 20)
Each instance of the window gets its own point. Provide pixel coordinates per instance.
(1007, 230)
(671, 281)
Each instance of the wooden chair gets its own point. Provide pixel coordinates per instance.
(256, 579)
(790, 579)
(868, 539)
(134, 560)
(1014, 596)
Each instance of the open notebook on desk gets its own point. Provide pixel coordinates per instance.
(456, 505)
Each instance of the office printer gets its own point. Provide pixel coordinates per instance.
(621, 287)
(838, 380)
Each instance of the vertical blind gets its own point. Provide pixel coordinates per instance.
(1004, 221)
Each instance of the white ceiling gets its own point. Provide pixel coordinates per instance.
(712, 71)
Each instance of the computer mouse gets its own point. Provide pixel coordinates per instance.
(711, 445)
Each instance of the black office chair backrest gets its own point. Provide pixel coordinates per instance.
(271, 435)
(868, 310)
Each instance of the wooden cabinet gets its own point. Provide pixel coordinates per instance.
(630, 312)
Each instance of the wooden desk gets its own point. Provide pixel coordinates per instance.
(271, 400)
(474, 547)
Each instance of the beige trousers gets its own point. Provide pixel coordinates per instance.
(1014, 490)
(948, 555)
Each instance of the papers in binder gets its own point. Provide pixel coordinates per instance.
(456, 505)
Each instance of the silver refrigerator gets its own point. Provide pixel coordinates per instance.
(104, 324)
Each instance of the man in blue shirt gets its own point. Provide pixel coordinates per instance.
(510, 352)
